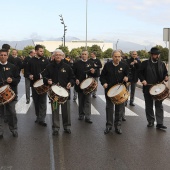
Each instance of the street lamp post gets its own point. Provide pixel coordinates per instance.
(62, 22)
(117, 43)
(86, 24)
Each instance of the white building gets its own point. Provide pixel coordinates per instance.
(52, 45)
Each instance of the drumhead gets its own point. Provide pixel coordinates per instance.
(157, 89)
(115, 90)
(86, 83)
(3, 88)
(59, 91)
(38, 83)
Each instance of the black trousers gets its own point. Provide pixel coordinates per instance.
(40, 104)
(149, 109)
(65, 109)
(84, 105)
(10, 114)
(119, 110)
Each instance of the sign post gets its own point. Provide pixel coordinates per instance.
(166, 37)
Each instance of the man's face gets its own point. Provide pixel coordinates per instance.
(40, 52)
(93, 55)
(58, 57)
(14, 53)
(32, 54)
(3, 57)
(134, 54)
(116, 57)
(155, 57)
(84, 55)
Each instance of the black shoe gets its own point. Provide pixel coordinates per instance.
(5, 120)
(107, 130)
(161, 126)
(126, 104)
(67, 131)
(118, 130)
(88, 120)
(55, 132)
(94, 96)
(36, 121)
(150, 124)
(28, 101)
(14, 133)
(42, 123)
(1, 135)
(123, 119)
(131, 104)
(74, 99)
(81, 117)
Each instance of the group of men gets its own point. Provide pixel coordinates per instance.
(58, 72)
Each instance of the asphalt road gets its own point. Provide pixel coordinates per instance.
(86, 148)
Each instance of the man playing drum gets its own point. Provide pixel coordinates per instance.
(114, 72)
(83, 69)
(60, 74)
(151, 72)
(36, 66)
(9, 75)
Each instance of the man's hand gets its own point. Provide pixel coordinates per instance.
(92, 70)
(125, 79)
(31, 77)
(166, 78)
(144, 82)
(105, 85)
(9, 80)
(77, 82)
(50, 81)
(68, 85)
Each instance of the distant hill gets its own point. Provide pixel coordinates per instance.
(125, 46)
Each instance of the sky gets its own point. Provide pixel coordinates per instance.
(138, 21)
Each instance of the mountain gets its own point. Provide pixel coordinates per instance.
(125, 46)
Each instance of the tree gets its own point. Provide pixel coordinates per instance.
(64, 49)
(143, 54)
(97, 49)
(26, 50)
(107, 53)
(75, 52)
(164, 53)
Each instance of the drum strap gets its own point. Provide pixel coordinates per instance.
(54, 105)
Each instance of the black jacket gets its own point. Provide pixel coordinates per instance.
(97, 65)
(60, 74)
(36, 67)
(9, 70)
(152, 73)
(134, 69)
(113, 75)
(16, 61)
(25, 65)
(82, 71)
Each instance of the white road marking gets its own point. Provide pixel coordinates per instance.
(21, 106)
(93, 110)
(166, 102)
(128, 112)
(141, 103)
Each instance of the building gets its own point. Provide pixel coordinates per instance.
(52, 45)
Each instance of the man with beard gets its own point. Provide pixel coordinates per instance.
(153, 71)
(36, 67)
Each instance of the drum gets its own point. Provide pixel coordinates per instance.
(88, 85)
(6, 94)
(159, 91)
(118, 94)
(58, 93)
(40, 87)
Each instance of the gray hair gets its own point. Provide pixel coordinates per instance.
(116, 51)
(58, 50)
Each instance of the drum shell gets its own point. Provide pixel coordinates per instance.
(91, 87)
(121, 97)
(160, 96)
(57, 98)
(41, 89)
(7, 95)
